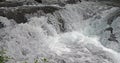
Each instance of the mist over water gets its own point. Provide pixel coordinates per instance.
(70, 35)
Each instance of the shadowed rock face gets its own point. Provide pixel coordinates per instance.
(19, 14)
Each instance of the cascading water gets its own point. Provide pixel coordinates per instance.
(71, 35)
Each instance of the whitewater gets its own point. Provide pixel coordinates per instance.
(74, 34)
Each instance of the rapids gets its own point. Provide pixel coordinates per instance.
(75, 34)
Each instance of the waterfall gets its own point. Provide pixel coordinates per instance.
(75, 34)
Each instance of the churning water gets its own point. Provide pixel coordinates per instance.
(70, 35)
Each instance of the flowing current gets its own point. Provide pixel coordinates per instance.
(75, 34)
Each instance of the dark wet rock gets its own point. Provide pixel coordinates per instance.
(112, 18)
(50, 9)
(109, 29)
(62, 25)
(10, 4)
(72, 1)
(2, 0)
(1, 25)
(49, 1)
(60, 2)
(39, 1)
(59, 23)
(2, 12)
(114, 3)
(19, 14)
(113, 38)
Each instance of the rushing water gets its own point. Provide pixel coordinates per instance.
(70, 35)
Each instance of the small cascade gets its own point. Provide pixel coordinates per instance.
(77, 33)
